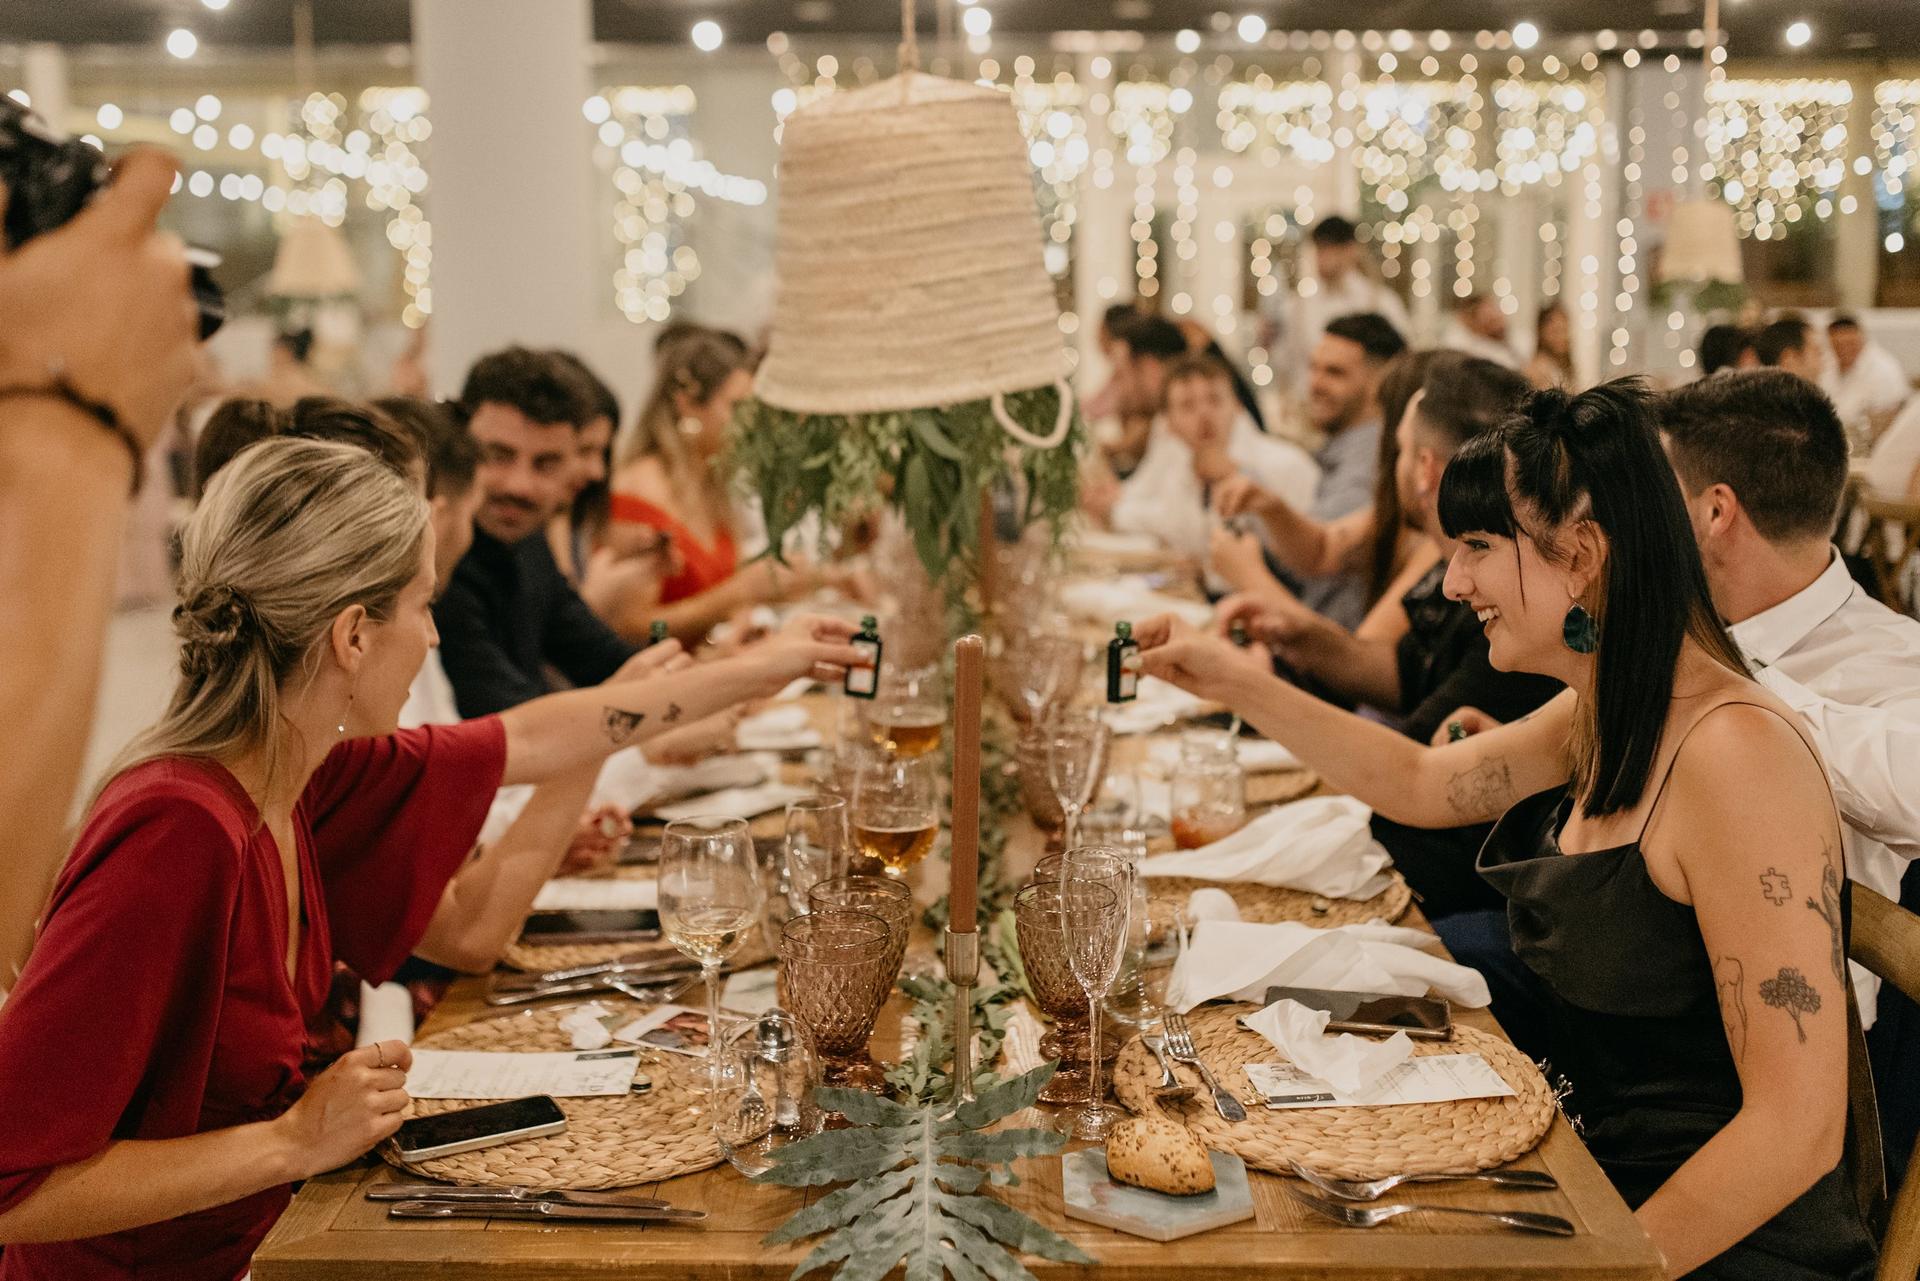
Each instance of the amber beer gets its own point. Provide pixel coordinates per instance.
(898, 840)
(909, 730)
(1191, 830)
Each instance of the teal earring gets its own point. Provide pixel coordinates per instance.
(1579, 630)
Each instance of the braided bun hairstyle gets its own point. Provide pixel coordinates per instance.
(288, 534)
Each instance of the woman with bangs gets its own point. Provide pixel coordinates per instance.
(1666, 838)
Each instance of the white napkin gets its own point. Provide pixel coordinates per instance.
(1349, 1063)
(1257, 755)
(1126, 596)
(734, 802)
(386, 1014)
(1157, 705)
(1241, 959)
(1320, 845)
(1206, 904)
(592, 893)
(588, 1027)
(778, 729)
(639, 782)
(1110, 543)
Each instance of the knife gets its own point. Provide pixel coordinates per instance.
(632, 965)
(550, 1211)
(507, 1195)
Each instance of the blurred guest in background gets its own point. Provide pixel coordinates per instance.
(1552, 363)
(1865, 382)
(1787, 344)
(1144, 347)
(1341, 282)
(1201, 342)
(236, 424)
(1727, 347)
(1478, 327)
(577, 529)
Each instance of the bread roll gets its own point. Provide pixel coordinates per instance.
(1161, 1155)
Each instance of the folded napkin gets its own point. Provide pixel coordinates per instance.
(596, 893)
(1321, 845)
(586, 1025)
(1350, 1064)
(1241, 960)
(1157, 705)
(778, 729)
(1257, 755)
(1126, 596)
(734, 802)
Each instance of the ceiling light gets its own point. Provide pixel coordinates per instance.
(215, 5)
(1252, 28)
(182, 43)
(977, 21)
(707, 35)
(1798, 34)
(1525, 35)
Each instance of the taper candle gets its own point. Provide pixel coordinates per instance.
(969, 654)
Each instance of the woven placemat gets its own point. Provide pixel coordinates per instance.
(1268, 903)
(613, 1142)
(1348, 1143)
(1277, 787)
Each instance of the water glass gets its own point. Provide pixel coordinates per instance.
(1076, 757)
(765, 1100)
(817, 846)
(836, 968)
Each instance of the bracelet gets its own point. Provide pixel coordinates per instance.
(58, 388)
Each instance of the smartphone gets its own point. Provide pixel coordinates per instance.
(596, 925)
(1424, 1018)
(446, 1133)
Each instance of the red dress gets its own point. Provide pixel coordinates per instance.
(156, 1003)
(702, 566)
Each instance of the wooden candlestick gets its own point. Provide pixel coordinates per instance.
(969, 666)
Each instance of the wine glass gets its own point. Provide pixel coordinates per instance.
(1095, 918)
(1076, 757)
(1039, 666)
(895, 811)
(710, 897)
(907, 717)
(1156, 937)
(817, 846)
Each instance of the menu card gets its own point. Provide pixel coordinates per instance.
(1432, 1078)
(483, 1074)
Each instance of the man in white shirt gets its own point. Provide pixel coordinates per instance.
(1762, 463)
(1202, 438)
(1479, 328)
(1865, 382)
(1339, 284)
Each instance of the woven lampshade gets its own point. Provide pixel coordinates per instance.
(907, 255)
(1702, 244)
(313, 261)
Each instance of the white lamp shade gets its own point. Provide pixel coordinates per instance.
(313, 261)
(1702, 244)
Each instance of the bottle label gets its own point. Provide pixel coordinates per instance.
(864, 681)
(1130, 672)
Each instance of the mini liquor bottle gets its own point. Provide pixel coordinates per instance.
(656, 633)
(864, 681)
(1237, 633)
(1123, 665)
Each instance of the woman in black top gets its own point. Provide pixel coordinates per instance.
(1670, 846)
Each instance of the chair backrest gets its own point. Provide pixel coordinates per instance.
(1892, 534)
(1886, 939)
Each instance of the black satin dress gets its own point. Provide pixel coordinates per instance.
(1636, 1031)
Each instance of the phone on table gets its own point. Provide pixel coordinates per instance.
(447, 1133)
(592, 925)
(1424, 1018)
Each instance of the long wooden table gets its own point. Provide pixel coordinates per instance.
(333, 1233)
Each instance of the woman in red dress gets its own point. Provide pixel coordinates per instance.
(272, 821)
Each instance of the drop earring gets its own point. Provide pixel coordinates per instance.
(1579, 631)
(344, 713)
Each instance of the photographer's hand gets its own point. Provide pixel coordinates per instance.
(103, 302)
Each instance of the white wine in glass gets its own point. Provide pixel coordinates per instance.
(709, 935)
(710, 898)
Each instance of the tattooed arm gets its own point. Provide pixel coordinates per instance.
(551, 735)
(1466, 782)
(1762, 868)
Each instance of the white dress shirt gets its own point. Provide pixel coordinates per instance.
(1874, 385)
(1164, 498)
(1315, 303)
(1457, 337)
(1851, 667)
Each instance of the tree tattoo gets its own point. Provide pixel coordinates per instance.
(1729, 981)
(1789, 990)
(1775, 887)
(673, 714)
(1828, 908)
(1483, 791)
(620, 724)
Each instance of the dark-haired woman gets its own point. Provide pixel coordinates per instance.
(1667, 841)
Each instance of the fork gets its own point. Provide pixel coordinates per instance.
(1373, 1189)
(1180, 1045)
(1372, 1216)
(1170, 1089)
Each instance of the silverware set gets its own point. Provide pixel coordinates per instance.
(1355, 1203)
(449, 1201)
(1179, 1044)
(662, 980)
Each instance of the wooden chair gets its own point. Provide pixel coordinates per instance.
(1892, 536)
(1886, 939)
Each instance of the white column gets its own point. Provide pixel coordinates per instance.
(43, 74)
(1516, 221)
(1103, 265)
(1856, 235)
(512, 195)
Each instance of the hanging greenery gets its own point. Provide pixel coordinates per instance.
(930, 465)
(914, 1176)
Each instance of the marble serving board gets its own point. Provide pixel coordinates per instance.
(1091, 1194)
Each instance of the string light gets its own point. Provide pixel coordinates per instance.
(1896, 156)
(1776, 148)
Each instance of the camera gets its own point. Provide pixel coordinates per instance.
(49, 180)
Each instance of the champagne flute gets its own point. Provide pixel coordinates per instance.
(895, 811)
(710, 897)
(1095, 916)
(1076, 759)
(817, 846)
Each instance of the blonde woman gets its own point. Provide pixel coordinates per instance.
(271, 822)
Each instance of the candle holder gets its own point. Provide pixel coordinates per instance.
(961, 954)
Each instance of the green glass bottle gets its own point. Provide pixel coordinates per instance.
(1123, 665)
(1237, 633)
(656, 633)
(864, 681)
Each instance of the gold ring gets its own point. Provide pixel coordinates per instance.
(380, 1053)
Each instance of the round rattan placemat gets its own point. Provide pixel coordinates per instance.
(1277, 787)
(1269, 903)
(1348, 1143)
(540, 958)
(609, 1142)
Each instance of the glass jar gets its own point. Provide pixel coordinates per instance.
(764, 1096)
(1209, 789)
